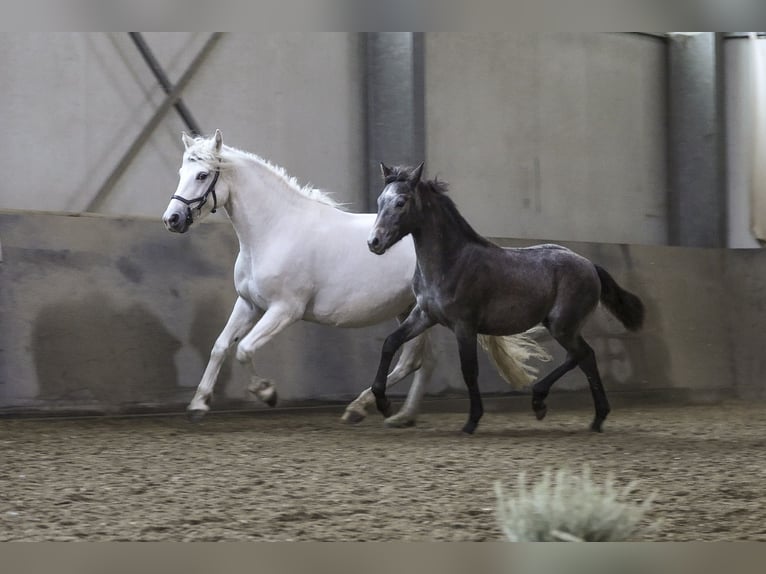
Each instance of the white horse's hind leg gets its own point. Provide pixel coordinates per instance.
(408, 414)
(262, 388)
(410, 360)
(273, 321)
(241, 320)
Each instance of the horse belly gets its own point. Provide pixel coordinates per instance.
(360, 308)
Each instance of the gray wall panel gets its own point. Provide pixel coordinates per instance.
(563, 135)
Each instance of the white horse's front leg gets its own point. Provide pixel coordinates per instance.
(273, 321)
(413, 356)
(241, 320)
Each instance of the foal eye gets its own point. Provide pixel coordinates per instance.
(201, 176)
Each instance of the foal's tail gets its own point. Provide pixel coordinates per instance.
(510, 355)
(624, 305)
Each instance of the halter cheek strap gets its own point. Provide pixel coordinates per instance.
(201, 200)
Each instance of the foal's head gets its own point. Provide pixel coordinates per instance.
(200, 191)
(397, 209)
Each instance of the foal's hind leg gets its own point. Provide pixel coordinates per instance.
(590, 368)
(562, 331)
(578, 353)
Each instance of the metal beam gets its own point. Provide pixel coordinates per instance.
(170, 99)
(395, 104)
(162, 78)
(696, 128)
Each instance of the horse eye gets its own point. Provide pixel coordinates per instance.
(400, 202)
(201, 176)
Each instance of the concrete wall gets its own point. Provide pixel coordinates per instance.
(557, 135)
(108, 314)
(74, 102)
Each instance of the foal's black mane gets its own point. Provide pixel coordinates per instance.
(435, 197)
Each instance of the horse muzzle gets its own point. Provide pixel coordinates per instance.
(177, 222)
(376, 244)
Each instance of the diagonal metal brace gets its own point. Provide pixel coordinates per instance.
(162, 78)
(169, 101)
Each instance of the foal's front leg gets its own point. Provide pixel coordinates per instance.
(417, 322)
(469, 365)
(241, 320)
(416, 357)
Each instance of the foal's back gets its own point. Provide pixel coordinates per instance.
(517, 288)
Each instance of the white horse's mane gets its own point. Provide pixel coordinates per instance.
(230, 157)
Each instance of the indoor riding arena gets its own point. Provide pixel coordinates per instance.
(150, 393)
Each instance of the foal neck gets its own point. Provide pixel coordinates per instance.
(442, 232)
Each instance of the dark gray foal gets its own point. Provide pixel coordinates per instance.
(471, 285)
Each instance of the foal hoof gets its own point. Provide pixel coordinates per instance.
(352, 417)
(272, 400)
(195, 416)
(596, 426)
(385, 408)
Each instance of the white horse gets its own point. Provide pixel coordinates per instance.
(301, 257)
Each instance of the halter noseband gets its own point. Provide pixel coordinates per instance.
(202, 199)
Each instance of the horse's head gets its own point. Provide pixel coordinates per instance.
(397, 212)
(200, 191)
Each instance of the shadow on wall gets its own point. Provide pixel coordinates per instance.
(91, 349)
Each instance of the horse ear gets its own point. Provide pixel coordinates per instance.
(385, 171)
(416, 174)
(187, 139)
(218, 140)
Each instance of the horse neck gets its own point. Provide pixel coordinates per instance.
(260, 201)
(442, 234)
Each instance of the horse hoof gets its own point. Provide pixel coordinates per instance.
(195, 416)
(540, 412)
(399, 422)
(272, 400)
(352, 417)
(469, 428)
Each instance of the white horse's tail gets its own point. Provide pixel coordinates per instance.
(510, 355)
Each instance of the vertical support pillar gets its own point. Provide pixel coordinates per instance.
(697, 202)
(395, 104)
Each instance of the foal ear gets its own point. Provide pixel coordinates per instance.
(385, 171)
(187, 139)
(416, 174)
(218, 140)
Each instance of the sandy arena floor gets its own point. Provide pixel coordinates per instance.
(305, 476)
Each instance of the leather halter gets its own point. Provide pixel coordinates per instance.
(201, 200)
